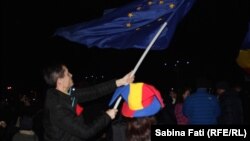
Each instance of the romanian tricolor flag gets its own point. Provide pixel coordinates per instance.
(243, 59)
(140, 100)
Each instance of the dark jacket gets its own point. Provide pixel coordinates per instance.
(118, 130)
(231, 108)
(61, 122)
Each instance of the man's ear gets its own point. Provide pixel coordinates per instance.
(58, 81)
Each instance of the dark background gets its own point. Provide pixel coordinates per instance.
(209, 38)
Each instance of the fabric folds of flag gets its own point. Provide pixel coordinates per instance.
(243, 58)
(140, 100)
(131, 26)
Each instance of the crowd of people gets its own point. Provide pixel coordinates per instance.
(63, 115)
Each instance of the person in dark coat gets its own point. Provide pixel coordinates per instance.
(26, 132)
(63, 120)
(230, 103)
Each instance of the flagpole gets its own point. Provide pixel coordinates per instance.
(142, 58)
(117, 102)
(148, 48)
(155, 38)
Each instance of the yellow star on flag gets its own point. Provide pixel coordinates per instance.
(161, 2)
(171, 5)
(130, 15)
(128, 24)
(138, 8)
(150, 3)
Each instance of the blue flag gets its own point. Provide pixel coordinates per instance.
(131, 26)
(246, 42)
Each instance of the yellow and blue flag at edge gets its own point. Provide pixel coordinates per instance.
(243, 58)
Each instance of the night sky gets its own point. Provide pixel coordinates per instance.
(209, 38)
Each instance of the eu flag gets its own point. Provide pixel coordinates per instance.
(131, 26)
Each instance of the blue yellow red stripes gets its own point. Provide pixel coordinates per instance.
(140, 100)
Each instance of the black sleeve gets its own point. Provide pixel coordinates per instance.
(94, 92)
(68, 122)
(228, 112)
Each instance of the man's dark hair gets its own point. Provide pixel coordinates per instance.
(52, 73)
(139, 128)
